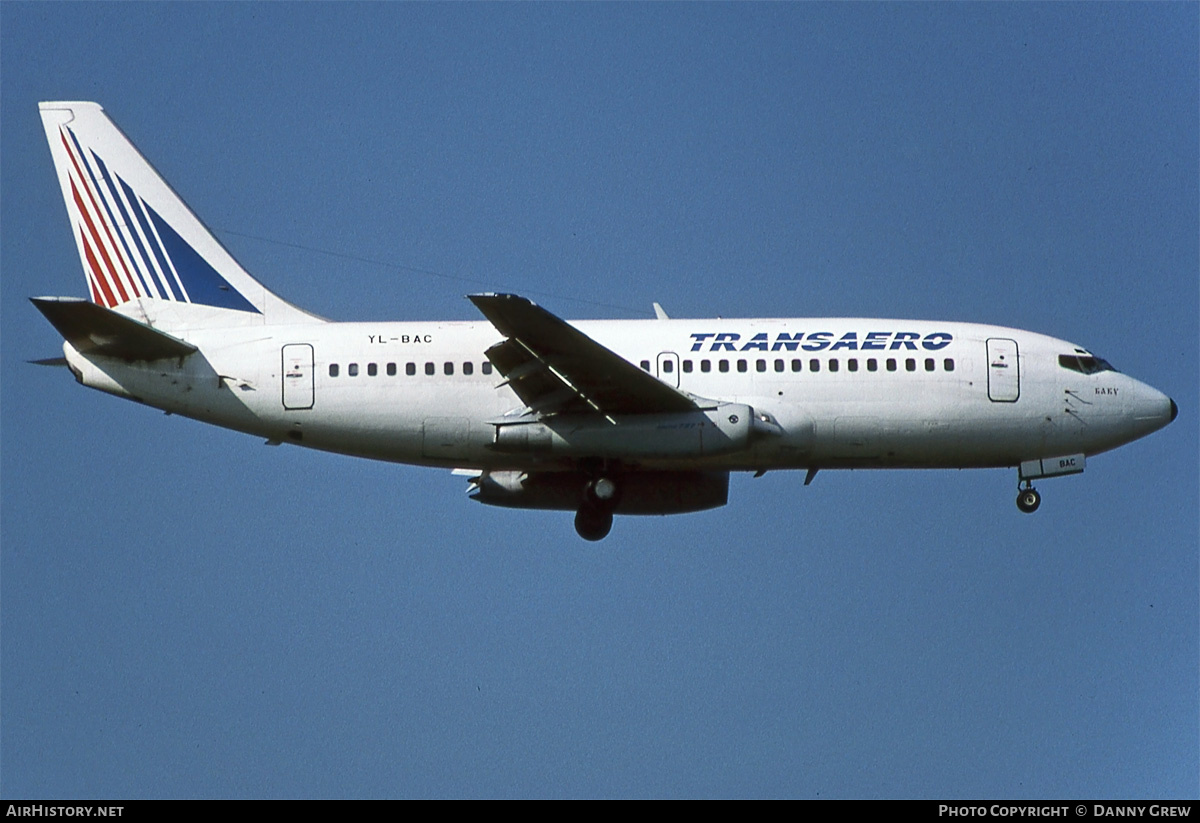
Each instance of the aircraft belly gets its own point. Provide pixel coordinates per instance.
(386, 419)
(446, 438)
(925, 436)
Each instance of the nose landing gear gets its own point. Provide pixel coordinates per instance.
(1028, 498)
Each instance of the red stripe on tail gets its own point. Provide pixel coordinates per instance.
(91, 258)
(99, 212)
(116, 281)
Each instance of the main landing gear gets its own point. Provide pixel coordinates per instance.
(1028, 498)
(594, 519)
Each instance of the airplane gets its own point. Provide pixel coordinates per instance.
(598, 417)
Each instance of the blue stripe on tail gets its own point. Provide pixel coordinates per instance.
(199, 278)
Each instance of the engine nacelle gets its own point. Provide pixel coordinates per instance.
(636, 492)
(726, 428)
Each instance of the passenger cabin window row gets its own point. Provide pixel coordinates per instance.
(448, 367)
(779, 366)
(796, 364)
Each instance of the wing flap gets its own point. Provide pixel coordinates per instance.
(93, 329)
(555, 368)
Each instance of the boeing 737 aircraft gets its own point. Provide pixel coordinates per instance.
(595, 417)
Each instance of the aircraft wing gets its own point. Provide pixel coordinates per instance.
(555, 368)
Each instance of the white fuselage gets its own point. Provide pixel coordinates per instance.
(843, 392)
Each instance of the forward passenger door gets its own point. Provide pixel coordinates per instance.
(1004, 370)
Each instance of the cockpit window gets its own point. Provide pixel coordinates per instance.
(1084, 363)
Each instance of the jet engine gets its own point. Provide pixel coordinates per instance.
(663, 492)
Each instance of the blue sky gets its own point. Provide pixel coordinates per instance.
(187, 613)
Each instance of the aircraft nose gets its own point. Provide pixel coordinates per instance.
(1149, 409)
(1154, 410)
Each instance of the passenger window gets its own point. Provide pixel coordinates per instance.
(797, 365)
(723, 365)
(891, 364)
(948, 364)
(760, 365)
(668, 367)
(352, 370)
(645, 365)
(487, 367)
(430, 369)
(372, 370)
(833, 364)
(742, 365)
(814, 365)
(448, 368)
(872, 364)
(852, 364)
(687, 366)
(391, 369)
(910, 364)
(410, 369)
(706, 365)
(929, 364)
(333, 369)
(779, 365)
(468, 368)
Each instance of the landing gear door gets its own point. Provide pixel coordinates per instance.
(668, 368)
(1004, 370)
(298, 376)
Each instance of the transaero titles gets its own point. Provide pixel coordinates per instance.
(822, 340)
(1080, 810)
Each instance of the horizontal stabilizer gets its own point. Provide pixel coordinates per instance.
(95, 330)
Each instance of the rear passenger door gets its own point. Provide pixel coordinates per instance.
(297, 376)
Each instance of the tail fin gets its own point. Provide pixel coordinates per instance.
(137, 239)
